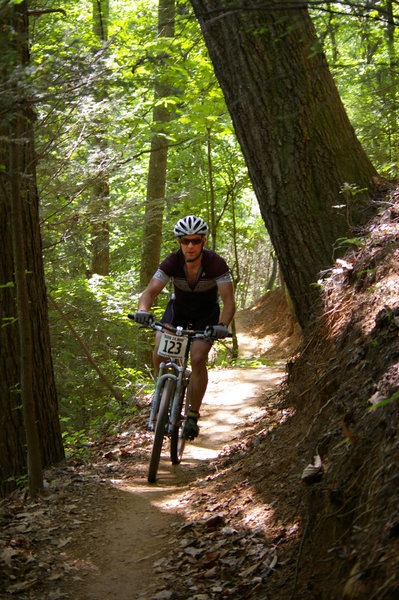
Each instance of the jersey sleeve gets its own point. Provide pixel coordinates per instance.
(161, 275)
(225, 278)
(166, 269)
(222, 271)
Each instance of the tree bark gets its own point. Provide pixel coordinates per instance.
(273, 276)
(297, 141)
(99, 215)
(15, 108)
(17, 199)
(392, 78)
(99, 202)
(156, 183)
(212, 199)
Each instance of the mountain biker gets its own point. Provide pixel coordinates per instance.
(199, 276)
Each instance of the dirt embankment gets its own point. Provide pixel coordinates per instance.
(268, 329)
(344, 386)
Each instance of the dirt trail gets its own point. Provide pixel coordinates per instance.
(136, 518)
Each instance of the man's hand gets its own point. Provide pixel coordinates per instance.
(143, 317)
(217, 331)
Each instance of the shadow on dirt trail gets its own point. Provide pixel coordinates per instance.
(135, 525)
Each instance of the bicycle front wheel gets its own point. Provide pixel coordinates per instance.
(159, 434)
(177, 441)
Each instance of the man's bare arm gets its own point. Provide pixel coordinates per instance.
(150, 294)
(226, 292)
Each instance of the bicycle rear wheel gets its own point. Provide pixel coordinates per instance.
(177, 441)
(162, 419)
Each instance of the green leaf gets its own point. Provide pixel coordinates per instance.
(385, 401)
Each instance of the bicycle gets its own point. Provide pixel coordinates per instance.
(171, 399)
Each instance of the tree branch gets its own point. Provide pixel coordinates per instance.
(91, 360)
(38, 12)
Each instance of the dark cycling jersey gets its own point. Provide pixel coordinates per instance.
(201, 296)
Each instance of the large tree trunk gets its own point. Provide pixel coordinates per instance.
(156, 183)
(16, 109)
(299, 146)
(17, 198)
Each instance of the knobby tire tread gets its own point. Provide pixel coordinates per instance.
(160, 431)
(176, 441)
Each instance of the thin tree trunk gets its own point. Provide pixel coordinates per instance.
(331, 33)
(99, 203)
(99, 215)
(156, 183)
(213, 224)
(235, 275)
(392, 79)
(273, 275)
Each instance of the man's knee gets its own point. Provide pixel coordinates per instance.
(198, 363)
(199, 357)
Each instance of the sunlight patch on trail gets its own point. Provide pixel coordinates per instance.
(250, 346)
(233, 401)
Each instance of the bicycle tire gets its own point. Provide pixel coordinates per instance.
(177, 441)
(159, 434)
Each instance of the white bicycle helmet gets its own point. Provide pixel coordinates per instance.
(189, 226)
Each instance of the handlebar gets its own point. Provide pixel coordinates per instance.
(193, 333)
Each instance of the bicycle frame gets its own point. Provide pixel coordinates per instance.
(178, 378)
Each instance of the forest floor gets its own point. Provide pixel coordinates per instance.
(290, 490)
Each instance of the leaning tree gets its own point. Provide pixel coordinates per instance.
(312, 178)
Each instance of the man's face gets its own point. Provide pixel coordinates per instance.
(191, 246)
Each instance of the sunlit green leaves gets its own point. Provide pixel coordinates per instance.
(362, 50)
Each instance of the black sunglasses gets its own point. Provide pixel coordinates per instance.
(195, 241)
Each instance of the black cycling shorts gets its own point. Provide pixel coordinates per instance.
(175, 315)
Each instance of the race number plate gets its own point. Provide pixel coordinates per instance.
(173, 346)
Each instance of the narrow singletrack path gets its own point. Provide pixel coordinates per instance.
(132, 532)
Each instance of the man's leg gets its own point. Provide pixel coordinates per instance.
(198, 385)
(199, 373)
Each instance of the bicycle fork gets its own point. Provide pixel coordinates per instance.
(180, 379)
(162, 378)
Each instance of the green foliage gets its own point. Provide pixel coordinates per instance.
(76, 442)
(253, 362)
(357, 241)
(20, 480)
(361, 46)
(384, 402)
(221, 358)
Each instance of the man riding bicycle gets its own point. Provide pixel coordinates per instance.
(199, 276)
